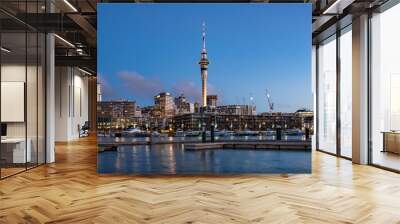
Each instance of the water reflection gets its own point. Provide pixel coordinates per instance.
(173, 159)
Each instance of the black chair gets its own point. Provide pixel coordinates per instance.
(84, 130)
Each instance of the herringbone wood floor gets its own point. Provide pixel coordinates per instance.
(70, 191)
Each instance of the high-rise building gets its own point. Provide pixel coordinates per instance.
(236, 109)
(99, 94)
(212, 101)
(182, 105)
(191, 108)
(196, 107)
(203, 68)
(117, 113)
(164, 102)
(117, 109)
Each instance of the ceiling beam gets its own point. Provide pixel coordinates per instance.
(86, 26)
(77, 61)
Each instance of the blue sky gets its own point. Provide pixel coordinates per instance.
(144, 49)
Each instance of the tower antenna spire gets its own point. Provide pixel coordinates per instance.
(204, 67)
(204, 36)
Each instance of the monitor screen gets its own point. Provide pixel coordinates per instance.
(3, 129)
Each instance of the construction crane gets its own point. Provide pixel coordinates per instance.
(270, 103)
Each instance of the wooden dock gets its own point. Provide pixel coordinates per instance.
(231, 144)
(124, 143)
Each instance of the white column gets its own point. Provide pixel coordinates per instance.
(63, 101)
(50, 99)
(360, 90)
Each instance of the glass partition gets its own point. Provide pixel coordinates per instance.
(327, 95)
(22, 92)
(13, 95)
(385, 89)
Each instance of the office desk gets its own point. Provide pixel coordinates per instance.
(15, 148)
(391, 141)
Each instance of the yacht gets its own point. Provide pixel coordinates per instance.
(294, 132)
(180, 133)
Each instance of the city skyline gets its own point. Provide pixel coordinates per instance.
(151, 65)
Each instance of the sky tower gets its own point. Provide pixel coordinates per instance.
(203, 68)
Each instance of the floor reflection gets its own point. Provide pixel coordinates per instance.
(387, 159)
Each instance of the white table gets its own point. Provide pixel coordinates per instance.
(19, 153)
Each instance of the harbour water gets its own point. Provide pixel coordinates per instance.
(174, 159)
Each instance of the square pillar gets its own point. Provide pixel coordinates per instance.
(50, 98)
(360, 89)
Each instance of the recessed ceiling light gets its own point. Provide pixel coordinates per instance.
(64, 40)
(5, 50)
(84, 71)
(338, 6)
(70, 5)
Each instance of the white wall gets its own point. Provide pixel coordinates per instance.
(17, 73)
(10, 73)
(71, 103)
(33, 126)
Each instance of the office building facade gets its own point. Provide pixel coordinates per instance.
(236, 109)
(164, 104)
